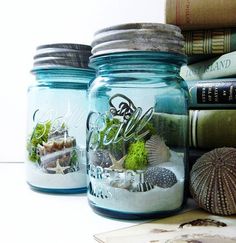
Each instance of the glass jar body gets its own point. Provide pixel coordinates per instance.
(137, 135)
(56, 137)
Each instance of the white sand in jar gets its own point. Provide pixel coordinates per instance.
(154, 200)
(157, 199)
(36, 177)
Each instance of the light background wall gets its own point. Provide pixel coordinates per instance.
(25, 24)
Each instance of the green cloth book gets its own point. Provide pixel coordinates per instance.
(210, 41)
(172, 128)
(210, 129)
(207, 129)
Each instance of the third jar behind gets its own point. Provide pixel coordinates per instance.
(137, 125)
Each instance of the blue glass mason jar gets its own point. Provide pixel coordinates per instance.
(137, 127)
(57, 112)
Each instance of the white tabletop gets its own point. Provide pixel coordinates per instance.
(27, 216)
(31, 217)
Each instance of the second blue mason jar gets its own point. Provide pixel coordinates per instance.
(137, 127)
(57, 112)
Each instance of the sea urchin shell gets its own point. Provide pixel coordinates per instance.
(213, 181)
(160, 176)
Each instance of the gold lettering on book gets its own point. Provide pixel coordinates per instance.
(231, 90)
(187, 12)
(216, 95)
(210, 94)
(218, 66)
(203, 94)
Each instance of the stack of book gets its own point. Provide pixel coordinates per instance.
(209, 29)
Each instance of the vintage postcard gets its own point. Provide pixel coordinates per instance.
(195, 226)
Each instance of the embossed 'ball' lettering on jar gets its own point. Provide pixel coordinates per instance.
(57, 113)
(137, 126)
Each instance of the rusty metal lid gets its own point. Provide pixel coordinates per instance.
(138, 37)
(62, 54)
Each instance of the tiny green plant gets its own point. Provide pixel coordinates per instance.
(38, 136)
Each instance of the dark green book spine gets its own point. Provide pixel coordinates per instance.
(213, 93)
(212, 128)
(213, 41)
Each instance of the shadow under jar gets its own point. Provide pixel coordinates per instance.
(137, 127)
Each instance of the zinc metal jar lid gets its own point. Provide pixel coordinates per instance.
(138, 37)
(62, 55)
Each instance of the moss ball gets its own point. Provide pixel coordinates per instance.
(137, 156)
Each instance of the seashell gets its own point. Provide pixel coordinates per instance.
(159, 176)
(123, 184)
(213, 181)
(158, 152)
(52, 146)
(63, 157)
(59, 133)
(145, 186)
(117, 164)
(203, 222)
(93, 192)
(101, 158)
(59, 144)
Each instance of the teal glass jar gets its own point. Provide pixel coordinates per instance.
(57, 112)
(137, 127)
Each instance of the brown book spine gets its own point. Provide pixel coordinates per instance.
(201, 14)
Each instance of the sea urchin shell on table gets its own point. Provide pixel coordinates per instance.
(213, 181)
